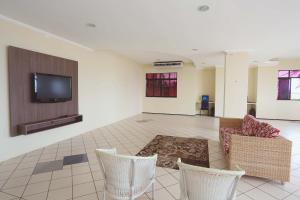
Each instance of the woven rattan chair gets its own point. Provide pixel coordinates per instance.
(261, 157)
(208, 184)
(126, 177)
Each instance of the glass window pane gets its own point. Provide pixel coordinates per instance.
(157, 88)
(149, 76)
(295, 88)
(149, 88)
(295, 73)
(156, 76)
(173, 75)
(173, 88)
(165, 88)
(283, 73)
(283, 89)
(164, 75)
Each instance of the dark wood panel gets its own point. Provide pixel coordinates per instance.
(22, 64)
(48, 124)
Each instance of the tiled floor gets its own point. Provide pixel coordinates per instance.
(84, 181)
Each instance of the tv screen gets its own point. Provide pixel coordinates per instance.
(49, 88)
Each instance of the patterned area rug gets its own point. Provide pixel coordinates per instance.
(192, 151)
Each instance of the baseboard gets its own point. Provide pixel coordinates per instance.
(177, 114)
(291, 120)
(168, 114)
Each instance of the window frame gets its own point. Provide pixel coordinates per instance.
(289, 77)
(160, 81)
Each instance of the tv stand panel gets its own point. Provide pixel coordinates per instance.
(48, 124)
(27, 116)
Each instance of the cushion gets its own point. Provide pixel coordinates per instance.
(268, 131)
(225, 134)
(250, 126)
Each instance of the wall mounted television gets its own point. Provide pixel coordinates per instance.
(50, 88)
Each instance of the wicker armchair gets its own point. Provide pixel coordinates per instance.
(261, 157)
(126, 177)
(207, 183)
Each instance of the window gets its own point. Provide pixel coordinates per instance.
(161, 84)
(288, 85)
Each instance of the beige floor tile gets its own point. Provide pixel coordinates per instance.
(293, 197)
(65, 172)
(99, 185)
(60, 194)
(60, 183)
(128, 135)
(83, 189)
(82, 178)
(17, 191)
(162, 194)
(36, 188)
(274, 191)
(244, 187)
(97, 175)
(258, 194)
(88, 197)
(167, 180)
(4, 196)
(254, 181)
(174, 190)
(243, 197)
(157, 186)
(160, 171)
(40, 177)
(22, 172)
(80, 170)
(16, 182)
(40, 196)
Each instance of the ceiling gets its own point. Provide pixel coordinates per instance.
(152, 30)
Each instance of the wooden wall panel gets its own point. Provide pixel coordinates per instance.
(22, 64)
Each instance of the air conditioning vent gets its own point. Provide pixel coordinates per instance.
(168, 64)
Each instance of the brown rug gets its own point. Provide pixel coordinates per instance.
(192, 151)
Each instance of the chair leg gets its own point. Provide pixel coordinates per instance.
(153, 191)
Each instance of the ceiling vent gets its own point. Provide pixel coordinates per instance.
(165, 64)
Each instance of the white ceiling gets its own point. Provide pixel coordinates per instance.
(151, 30)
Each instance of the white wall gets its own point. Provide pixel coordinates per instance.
(252, 84)
(267, 104)
(236, 85)
(205, 85)
(191, 84)
(219, 92)
(109, 88)
(185, 103)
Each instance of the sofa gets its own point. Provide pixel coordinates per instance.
(255, 147)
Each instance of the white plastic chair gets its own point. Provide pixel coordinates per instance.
(126, 177)
(199, 183)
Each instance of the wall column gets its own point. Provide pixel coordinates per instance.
(236, 84)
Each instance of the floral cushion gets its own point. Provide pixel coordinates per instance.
(225, 134)
(250, 126)
(266, 130)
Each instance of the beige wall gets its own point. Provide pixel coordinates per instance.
(236, 85)
(219, 92)
(252, 84)
(267, 104)
(205, 85)
(191, 84)
(109, 88)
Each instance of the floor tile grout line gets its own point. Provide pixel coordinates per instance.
(43, 149)
(12, 173)
(52, 173)
(72, 190)
(90, 171)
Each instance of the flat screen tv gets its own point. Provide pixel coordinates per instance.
(50, 88)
